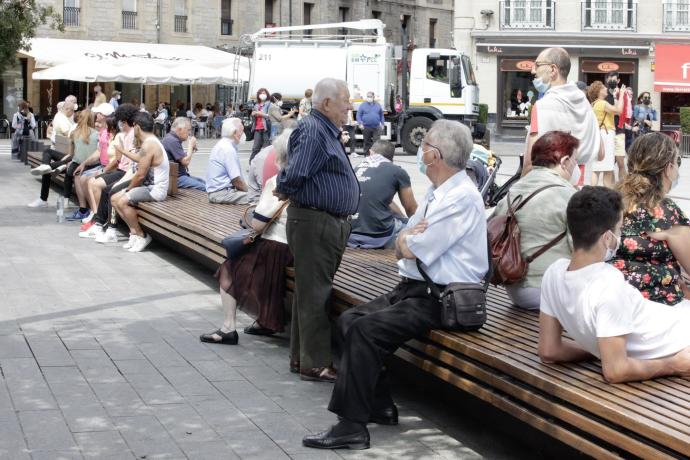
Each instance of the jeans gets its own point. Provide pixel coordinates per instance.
(367, 335)
(370, 135)
(191, 182)
(261, 140)
(54, 159)
(317, 241)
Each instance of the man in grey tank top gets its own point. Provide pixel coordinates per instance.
(149, 183)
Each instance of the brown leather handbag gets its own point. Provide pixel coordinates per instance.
(504, 242)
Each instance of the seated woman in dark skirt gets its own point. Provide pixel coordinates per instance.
(255, 281)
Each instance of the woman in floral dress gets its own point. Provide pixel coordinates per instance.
(656, 233)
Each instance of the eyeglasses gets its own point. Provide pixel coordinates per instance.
(538, 64)
(434, 147)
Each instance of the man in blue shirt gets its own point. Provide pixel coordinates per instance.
(323, 193)
(224, 181)
(172, 142)
(370, 121)
(448, 236)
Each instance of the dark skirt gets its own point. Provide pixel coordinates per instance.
(257, 281)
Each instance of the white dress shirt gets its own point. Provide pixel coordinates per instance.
(453, 247)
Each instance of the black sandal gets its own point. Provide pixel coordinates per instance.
(227, 338)
(258, 329)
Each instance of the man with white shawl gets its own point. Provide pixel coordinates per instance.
(564, 107)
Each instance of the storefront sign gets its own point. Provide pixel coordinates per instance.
(516, 65)
(629, 52)
(598, 66)
(672, 69)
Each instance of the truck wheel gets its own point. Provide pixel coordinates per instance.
(413, 132)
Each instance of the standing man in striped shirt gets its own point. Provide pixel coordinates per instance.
(323, 192)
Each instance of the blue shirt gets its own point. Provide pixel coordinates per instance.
(173, 148)
(643, 112)
(453, 247)
(223, 166)
(318, 173)
(370, 114)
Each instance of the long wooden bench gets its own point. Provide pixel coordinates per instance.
(498, 364)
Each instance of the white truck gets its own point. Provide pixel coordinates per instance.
(289, 60)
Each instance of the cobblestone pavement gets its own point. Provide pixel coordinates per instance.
(100, 359)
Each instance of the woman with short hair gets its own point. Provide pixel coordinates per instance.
(655, 237)
(542, 220)
(255, 281)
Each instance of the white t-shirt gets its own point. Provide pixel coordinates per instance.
(268, 205)
(596, 301)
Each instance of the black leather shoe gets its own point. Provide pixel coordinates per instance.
(294, 366)
(387, 416)
(229, 338)
(257, 329)
(326, 440)
(318, 374)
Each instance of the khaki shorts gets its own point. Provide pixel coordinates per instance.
(620, 145)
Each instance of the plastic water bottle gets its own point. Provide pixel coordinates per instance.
(60, 209)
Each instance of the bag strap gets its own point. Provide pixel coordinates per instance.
(532, 195)
(275, 217)
(545, 248)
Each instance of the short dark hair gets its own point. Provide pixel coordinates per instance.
(551, 147)
(613, 73)
(144, 121)
(591, 212)
(277, 97)
(384, 148)
(111, 124)
(126, 113)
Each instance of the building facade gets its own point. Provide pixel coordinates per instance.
(214, 23)
(639, 39)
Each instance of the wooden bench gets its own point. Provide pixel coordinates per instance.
(498, 364)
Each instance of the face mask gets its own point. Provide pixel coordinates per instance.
(420, 161)
(540, 86)
(118, 97)
(370, 100)
(612, 84)
(243, 138)
(76, 107)
(120, 126)
(675, 182)
(575, 175)
(646, 101)
(262, 97)
(612, 252)
(279, 103)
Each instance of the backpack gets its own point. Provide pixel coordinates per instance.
(504, 243)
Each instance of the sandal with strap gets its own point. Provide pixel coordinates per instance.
(227, 338)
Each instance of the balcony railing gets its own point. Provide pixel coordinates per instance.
(180, 23)
(70, 16)
(677, 16)
(527, 14)
(129, 19)
(226, 26)
(609, 15)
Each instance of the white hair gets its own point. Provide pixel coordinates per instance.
(231, 126)
(280, 144)
(454, 140)
(181, 122)
(60, 105)
(328, 88)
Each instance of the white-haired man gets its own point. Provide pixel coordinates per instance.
(224, 181)
(180, 132)
(324, 193)
(448, 236)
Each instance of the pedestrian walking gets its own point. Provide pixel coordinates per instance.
(370, 120)
(323, 192)
(261, 123)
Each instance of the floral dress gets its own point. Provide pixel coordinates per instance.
(648, 264)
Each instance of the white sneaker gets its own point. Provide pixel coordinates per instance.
(40, 170)
(132, 239)
(92, 232)
(109, 236)
(88, 218)
(141, 243)
(60, 168)
(38, 203)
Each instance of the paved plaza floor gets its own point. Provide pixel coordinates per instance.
(100, 359)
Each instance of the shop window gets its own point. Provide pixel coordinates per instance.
(518, 95)
(437, 68)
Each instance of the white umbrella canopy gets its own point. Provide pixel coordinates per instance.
(126, 72)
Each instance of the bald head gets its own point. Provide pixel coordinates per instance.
(328, 88)
(559, 57)
(332, 98)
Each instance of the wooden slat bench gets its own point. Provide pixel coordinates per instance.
(498, 364)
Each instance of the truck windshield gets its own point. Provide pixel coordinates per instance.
(468, 70)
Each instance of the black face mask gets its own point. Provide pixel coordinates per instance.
(646, 101)
(612, 84)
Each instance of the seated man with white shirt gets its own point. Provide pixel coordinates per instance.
(635, 338)
(448, 235)
(224, 181)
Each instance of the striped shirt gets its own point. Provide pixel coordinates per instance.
(319, 173)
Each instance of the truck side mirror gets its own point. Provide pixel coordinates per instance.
(456, 81)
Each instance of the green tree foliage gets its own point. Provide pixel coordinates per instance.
(685, 120)
(18, 22)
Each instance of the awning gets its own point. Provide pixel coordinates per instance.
(672, 68)
(89, 60)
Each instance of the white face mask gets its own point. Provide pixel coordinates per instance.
(574, 175)
(262, 97)
(279, 103)
(370, 100)
(610, 252)
(76, 107)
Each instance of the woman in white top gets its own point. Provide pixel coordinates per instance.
(256, 279)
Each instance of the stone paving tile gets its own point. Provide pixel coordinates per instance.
(188, 381)
(222, 415)
(285, 430)
(11, 436)
(154, 389)
(50, 351)
(56, 455)
(14, 346)
(46, 430)
(217, 370)
(147, 437)
(26, 386)
(184, 424)
(106, 445)
(247, 398)
(256, 445)
(213, 450)
(120, 399)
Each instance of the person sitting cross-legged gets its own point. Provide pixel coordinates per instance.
(379, 219)
(150, 181)
(179, 132)
(635, 338)
(255, 281)
(448, 235)
(224, 181)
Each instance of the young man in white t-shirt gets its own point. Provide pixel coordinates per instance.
(635, 338)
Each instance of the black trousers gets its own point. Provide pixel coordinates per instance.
(370, 333)
(351, 131)
(370, 135)
(104, 206)
(54, 159)
(261, 140)
(69, 180)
